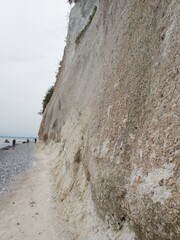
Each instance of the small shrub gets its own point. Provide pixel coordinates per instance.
(71, 1)
(47, 98)
(50, 91)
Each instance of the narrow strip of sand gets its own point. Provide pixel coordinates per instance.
(29, 210)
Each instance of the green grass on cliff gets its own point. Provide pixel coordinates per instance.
(47, 98)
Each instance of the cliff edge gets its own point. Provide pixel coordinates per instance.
(111, 128)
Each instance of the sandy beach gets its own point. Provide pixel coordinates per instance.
(27, 206)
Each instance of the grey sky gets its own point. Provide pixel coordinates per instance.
(32, 39)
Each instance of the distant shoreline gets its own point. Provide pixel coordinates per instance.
(13, 147)
(4, 136)
(19, 140)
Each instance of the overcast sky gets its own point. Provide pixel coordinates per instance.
(32, 39)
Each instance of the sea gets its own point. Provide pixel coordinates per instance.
(18, 140)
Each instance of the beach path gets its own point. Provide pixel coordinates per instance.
(29, 210)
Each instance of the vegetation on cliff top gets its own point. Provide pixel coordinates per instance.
(50, 91)
(47, 98)
(71, 1)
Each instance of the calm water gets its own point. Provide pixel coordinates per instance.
(18, 140)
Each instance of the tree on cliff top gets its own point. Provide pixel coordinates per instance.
(71, 1)
(47, 98)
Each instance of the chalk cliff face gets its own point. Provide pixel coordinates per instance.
(111, 129)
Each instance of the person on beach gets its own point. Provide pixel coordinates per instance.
(27, 140)
(35, 140)
(13, 142)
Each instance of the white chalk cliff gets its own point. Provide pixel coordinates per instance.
(111, 129)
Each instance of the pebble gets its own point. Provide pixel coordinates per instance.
(14, 163)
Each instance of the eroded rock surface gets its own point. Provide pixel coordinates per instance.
(112, 125)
